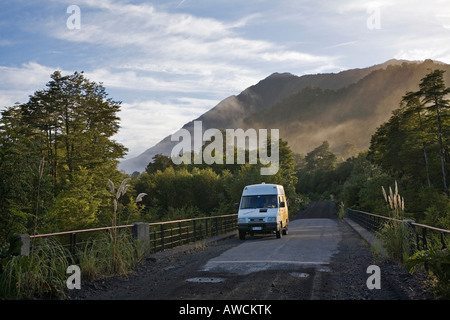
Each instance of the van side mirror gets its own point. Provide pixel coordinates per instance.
(282, 204)
(236, 206)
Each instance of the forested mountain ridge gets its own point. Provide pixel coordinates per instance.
(343, 108)
(349, 114)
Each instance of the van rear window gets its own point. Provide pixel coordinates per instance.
(259, 201)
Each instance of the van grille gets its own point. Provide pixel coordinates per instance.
(256, 219)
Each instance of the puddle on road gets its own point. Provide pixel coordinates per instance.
(299, 274)
(205, 280)
(323, 269)
(306, 275)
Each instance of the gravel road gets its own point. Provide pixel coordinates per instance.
(181, 275)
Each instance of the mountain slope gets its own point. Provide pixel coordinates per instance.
(344, 107)
(347, 115)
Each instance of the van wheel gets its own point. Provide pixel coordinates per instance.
(241, 235)
(279, 232)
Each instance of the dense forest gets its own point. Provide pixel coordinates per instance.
(57, 155)
(411, 148)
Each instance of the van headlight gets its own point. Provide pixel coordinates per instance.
(271, 219)
(242, 220)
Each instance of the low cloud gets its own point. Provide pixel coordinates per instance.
(145, 123)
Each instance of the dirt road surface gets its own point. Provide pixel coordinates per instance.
(322, 258)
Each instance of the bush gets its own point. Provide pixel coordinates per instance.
(437, 262)
(438, 212)
(396, 239)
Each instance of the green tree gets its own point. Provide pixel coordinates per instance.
(74, 120)
(77, 206)
(413, 142)
(413, 107)
(316, 176)
(287, 173)
(160, 162)
(321, 158)
(25, 187)
(63, 133)
(434, 91)
(364, 183)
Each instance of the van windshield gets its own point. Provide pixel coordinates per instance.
(259, 201)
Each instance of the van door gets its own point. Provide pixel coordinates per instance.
(284, 213)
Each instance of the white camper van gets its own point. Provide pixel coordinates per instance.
(263, 209)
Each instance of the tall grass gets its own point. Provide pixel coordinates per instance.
(341, 210)
(41, 275)
(394, 234)
(398, 237)
(112, 254)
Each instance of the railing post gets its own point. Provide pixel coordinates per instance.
(217, 226)
(408, 229)
(187, 234)
(444, 246)
(424, 239)
(22, 245)
(73, 243)
(179, 234)
(162, 237)
(416, 237)
(195, 231)
(141, 232)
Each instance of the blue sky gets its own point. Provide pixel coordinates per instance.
(171, 61)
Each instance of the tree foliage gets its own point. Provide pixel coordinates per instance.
(207, 189)
(56, 152)
(414, 146)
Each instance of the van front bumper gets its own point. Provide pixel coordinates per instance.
(264, 227)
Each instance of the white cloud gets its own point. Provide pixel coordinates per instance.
(18, 83)
(218, 79)
(164, 36)
(28, 76)
(295, 56)
(145, 123)
(439, 54)
(148, 51)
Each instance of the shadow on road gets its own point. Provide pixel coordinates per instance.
(317, 210)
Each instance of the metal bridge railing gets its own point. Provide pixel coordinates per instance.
(171, 234)
(159, 235)
(423, 235)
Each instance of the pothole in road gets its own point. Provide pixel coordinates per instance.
(299, 274)
(205, 280)
(323, 269)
